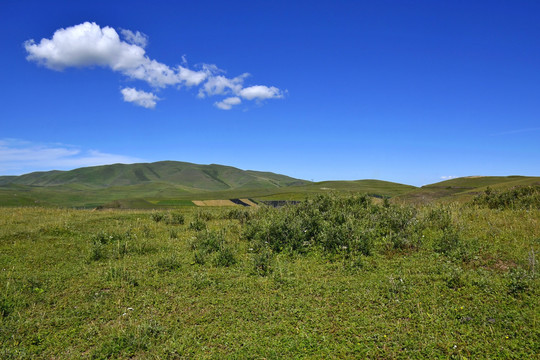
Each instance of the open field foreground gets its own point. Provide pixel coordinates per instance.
(333, 277)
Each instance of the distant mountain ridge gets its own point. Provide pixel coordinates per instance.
(187, 175)
(166, 184)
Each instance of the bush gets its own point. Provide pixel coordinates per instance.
(519, 282)
(331, 224)
(171, 218)
(521, 197)
(212, 243)
(97, 252)
(204, 215)
(174, 219)
(448, 242)
(7, 305)
(169, 263)
(224, 257)
(157, 217)
(239, 214)
(262, 262)
(438, 219)
(197, 225)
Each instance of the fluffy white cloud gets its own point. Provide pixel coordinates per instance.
(88, 44)
(139, 97)
(191, 77)
(136, 38)
(228, 103)
(19, 157)
(260, 92)
(448, 177)
(220, 85)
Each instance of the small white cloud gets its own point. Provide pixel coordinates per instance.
(260, 92)
(20, 157)
(136, 38)
(221, 85)
(448, 177)
(228, 103)
(191, 77)
(139, 97)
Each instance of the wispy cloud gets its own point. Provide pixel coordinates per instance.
(448, 177)
(136, 38)
(139, 97)
(19, 157)
(228, 103)
(88, 44)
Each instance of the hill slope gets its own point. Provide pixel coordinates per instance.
(464, 188)
(189, 176)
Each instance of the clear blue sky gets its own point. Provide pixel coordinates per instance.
(405, 91)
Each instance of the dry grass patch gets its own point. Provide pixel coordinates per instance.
(249, 202)
(214, 203)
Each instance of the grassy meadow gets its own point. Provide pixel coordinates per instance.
(333, 277)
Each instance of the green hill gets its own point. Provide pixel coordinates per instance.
(190, 176)
(464, 188)
(168, 182)
(173, 183)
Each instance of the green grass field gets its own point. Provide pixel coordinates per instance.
(435, 281)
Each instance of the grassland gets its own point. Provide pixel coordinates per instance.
(464, 189)
(171, 184)
(435, 281)
(157, 194)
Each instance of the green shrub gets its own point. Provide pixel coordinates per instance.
(174, 219)
(224, 257)
(173, 233)
(519, 282)
(157, 217)
(438, 218)
(213, 243)
(7, 305)
(197, 225)
(168, 263)
(97, 252)
(262, 262)
(448, 242)
(521, 197)
(239, 214)
(333, 224)
(208, 241)
(204, 215)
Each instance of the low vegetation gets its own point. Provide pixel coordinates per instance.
(521, 197)
(335, 276)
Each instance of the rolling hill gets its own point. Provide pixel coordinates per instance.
(167, 183)
(187, 175)
(464, 188)
(173, 183)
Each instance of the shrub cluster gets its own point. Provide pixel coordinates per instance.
(117, 245)
(212, 244)
(523, 197)
(349, 225)
(239, 214)
(171, 218)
